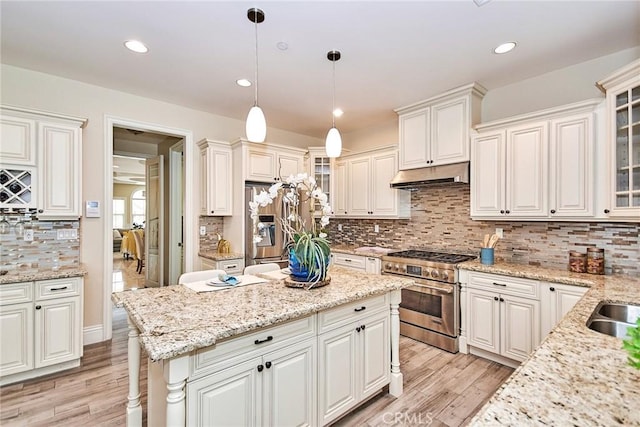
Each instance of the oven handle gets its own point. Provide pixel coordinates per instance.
(440, 289)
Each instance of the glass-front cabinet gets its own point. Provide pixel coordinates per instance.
(622, 89)
(320, 169)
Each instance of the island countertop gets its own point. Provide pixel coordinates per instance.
(174, 320)
(576, 376)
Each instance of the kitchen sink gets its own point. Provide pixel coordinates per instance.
(613, 318)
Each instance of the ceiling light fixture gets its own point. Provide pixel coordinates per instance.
(333, 143)
(256, 126)
(505, 47)
(243, 82)
(338, 112)
(136, 46)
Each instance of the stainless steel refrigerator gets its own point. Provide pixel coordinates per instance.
(272, 246)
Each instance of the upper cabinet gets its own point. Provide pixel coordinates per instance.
(41, 163)
(436, 131)
(623, 138)
(537, 166)
(320, 170)
(216, 186)
(361, 186)
(269, 162)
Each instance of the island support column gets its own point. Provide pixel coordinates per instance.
(395, 387)
(176, 371)
(134, 409)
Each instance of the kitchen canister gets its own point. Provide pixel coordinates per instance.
(577, 262)
(595, 261)
(486, 256)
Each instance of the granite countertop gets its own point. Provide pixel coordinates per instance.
(216, 256)
(174, 320)
(370, 251)
(42, 275)
(576, 376)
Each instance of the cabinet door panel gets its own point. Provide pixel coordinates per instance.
(383, 168)
(359, 173)
(527, 166)
(289, 395)
(520, 327)
(487, 175)
(57, 331)
(221, 185)
(18, 138)
(414, 132)
(449, 134)
(227, 398)
(340, 189)
(484, 320)
(289, 165)
(16, 338)
(375, 355)
(336, 373)
(261, 165)
(204, 182)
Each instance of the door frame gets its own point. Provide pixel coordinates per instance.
(190, 214)
(176, 214)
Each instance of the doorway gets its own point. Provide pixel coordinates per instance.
(129, 139)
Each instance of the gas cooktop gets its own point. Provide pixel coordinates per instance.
(442, 257)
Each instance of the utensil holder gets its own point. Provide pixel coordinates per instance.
(486, 256)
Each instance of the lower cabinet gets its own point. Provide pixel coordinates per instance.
(230, 266)
(353, 364)
(40, 328)
(371, 265)
(276, 389)
(557, 300)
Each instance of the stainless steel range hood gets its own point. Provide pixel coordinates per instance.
(413, 178)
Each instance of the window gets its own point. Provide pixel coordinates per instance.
(138, 203)
(118, 213)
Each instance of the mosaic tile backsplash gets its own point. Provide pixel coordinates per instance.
(44, 253)
(440, 220)
(213, 225)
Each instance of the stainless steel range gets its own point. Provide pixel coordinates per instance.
(430, 310)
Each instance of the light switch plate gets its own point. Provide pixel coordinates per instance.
(376, 228)
(203, 230)
(28, 235)
(499, 233)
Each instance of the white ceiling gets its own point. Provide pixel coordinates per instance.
(393, 53)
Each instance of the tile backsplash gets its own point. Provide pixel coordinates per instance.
(44, 253)
(213, 225)
(440, 219)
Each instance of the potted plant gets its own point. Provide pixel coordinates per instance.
(632, 345)
(309, 250)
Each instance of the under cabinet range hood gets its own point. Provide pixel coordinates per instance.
(414, 178)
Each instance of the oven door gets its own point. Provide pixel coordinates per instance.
(431, 305)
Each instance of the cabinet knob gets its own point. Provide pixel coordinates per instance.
(507, 211)
(267, 365)
(40, 210)
(260, 368)
(495, 298)
(358, 329)
(362, 327)
(501, 299)
(502, 211)
(213, 211)
(552, 289)
(553, 211)
(38, 307)
(607, 211)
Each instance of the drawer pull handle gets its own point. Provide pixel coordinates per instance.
(269, 338)
(499, 284)
(231, 267)
(60, 289)
(360, 309)
(347, 260)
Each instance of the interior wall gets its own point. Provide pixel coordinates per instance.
(31, 89)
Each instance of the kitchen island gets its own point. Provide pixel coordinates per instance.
(576, 376)
(210, 349)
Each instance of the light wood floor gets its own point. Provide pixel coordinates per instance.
(440, 389)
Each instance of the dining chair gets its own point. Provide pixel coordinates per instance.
(261, 268)
(198, 276)
(137, 237)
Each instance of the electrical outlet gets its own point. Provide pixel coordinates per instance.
(203, 230)
(339, 227)
(28, 235)
(499, 233)
(376, 228)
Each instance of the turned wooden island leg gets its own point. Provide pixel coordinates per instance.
(395, 387)
(176, 371)
(134, 409)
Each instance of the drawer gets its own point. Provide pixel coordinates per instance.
(351, 312)
(235, 266)
(516, 286)
(244, 347)
(58, 288)
(15, 293)
(353, 261)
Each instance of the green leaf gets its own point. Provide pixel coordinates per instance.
(632, 345)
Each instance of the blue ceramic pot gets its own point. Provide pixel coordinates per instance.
(300, 273)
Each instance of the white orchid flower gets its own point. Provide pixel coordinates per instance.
(322, 235)
(324, 220)
(257, 239)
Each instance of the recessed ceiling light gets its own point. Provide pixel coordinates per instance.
(282, 45)
(243, 82)
(136, 46)
(337, 112)
(481, 2)
(505, 47)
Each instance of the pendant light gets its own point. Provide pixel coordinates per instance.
(256, 126)
(333, 143)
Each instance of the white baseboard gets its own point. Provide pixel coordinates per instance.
(92, 334)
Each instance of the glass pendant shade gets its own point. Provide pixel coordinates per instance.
(256, 126)
(333, 144)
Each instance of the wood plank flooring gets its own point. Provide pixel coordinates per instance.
(440, 389)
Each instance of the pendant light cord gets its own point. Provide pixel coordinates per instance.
(333, 115)
(255, 23)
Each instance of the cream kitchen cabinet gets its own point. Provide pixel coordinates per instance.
(538, 166)
(436, 131)
(501, 316)
(556, 301)
(230, 266)
(353, 359)
(216, 172)
(42, 333)
(275, 389)
(41, 163)
(367, 193)
(270, 162)
(320, 169)
(371, 265)
(339, 199)
(623, 140)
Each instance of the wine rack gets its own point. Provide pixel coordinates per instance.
(16, 188)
